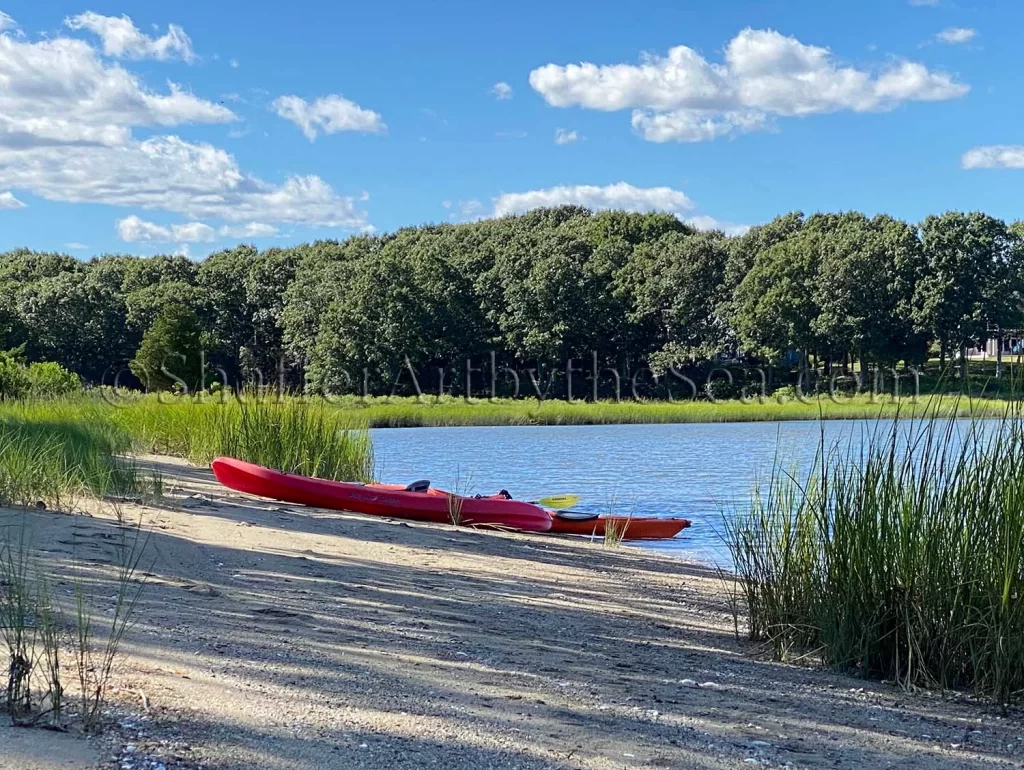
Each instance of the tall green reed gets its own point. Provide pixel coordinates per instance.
(294, 437)
(903, 559)
(49, 455)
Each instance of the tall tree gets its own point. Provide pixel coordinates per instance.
(972, 278)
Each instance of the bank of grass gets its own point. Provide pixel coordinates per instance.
(291, 435)
(52, 456)
(454, 412)
(60, 451)
(903, 560)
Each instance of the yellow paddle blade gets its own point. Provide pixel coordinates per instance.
(559, 502)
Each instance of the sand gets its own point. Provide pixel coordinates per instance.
(275, 636)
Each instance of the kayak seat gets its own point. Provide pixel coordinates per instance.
(576, 515)
(418, 486)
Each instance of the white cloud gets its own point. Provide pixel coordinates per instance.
(6, 22)
(249, 230)
(693, 125)
(563, 136)
(684, 97)
(122, 39)
(704, 222)
(328, 114)
(234, 64)
(994, 156)
(923, 3)
(169, 174)
(8, 202)
(614, 196)
(621, 196)
(957, 35)
(66, 134)
(75, 246)
(194, 232)
(58, 92)
(133, 230)
(501, 91)
(136, 230)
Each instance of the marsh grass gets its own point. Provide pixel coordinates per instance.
(614, 532)
(461, 487)
(409, 412)
(903, 560)
(94, 660)
(289, 435)
(49, 455)
(36, 632)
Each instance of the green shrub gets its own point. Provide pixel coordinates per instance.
(14, 380)
(37, 379)
(51, 379)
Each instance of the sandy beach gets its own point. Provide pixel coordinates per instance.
(275, 636)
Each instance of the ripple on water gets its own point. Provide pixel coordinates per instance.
(700, 472)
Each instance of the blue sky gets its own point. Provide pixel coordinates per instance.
(290, 122)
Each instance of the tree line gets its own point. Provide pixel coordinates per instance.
(643, 290)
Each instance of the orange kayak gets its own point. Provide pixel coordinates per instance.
(636, 528)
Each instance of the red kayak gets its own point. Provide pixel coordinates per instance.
(633, 528)
(416, 502)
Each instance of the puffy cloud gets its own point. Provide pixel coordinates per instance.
(704, 222)
(693, 125)
(66, 134)
(135, 230)
(684, 97)
(58, 92)
(121, 38)
(957, 35)
(994, 156)
(169, 174)
(249, 230)
(6, 22)
(8, 202)
(328, 114)
(563, 136)
(614, 196)
(501, 90)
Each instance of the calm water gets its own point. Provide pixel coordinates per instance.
(700, 472)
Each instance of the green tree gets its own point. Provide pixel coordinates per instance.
(171, 354)
(774, 305)
(76, 321)
(677, 286)
(972, 279)
(864, 289)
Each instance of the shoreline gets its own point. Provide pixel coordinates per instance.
(289, 638)
(409, 412)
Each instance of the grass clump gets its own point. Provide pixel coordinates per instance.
(37, 635)
(902, 561)
(49, 455)
(286, 434)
